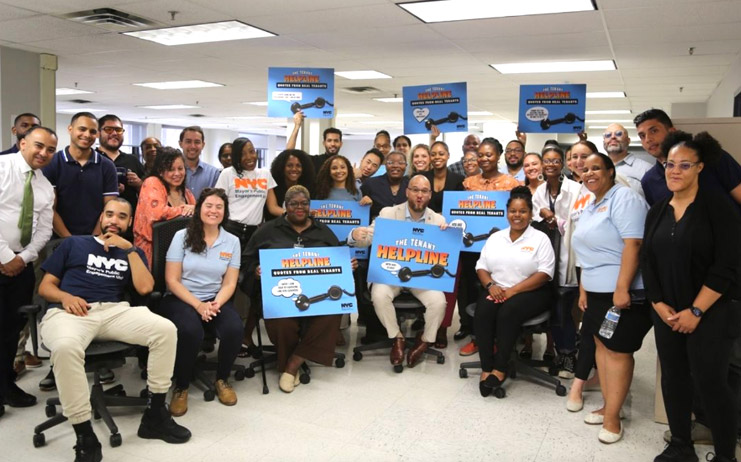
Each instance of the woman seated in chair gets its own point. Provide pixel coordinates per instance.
(515, 267)
(201, 273)
(300, 338)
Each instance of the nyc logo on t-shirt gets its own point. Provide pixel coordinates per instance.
(227, 256)
(98, 265)
(527, 248)
(250, 187)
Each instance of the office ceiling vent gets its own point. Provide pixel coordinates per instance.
(109, 18)
(360, 90)
(79, 101)
(198, 115)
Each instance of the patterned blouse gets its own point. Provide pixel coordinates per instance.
(502, 182)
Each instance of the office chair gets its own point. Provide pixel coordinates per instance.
(407, 308)
(162, 234)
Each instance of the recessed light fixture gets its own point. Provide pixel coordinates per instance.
(256, 103)
(170, 106)
(606, 94)
(201, 33)
(555, 66)
(390, 100)
(461, 10)
(179, 84)
(358, 115)
(610, 111)
(362, 75)
(71, 91)
(479, 113)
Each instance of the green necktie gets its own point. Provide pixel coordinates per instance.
(25, 221)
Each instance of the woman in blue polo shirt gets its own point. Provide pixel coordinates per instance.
(607, 242)
(201, 273)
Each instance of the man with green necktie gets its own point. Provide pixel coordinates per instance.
(26, 215)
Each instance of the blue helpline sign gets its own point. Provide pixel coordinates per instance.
(292, 89)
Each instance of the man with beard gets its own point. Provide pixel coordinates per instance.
(21, 125)
(199, 174)
(418, 193)
(128, 167)
(514, 155)
(332, 145)
(628, 166)
(84, 284)
(390, 188)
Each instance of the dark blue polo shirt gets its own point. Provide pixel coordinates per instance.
(12, 150)
(80, 189)
(723, 174)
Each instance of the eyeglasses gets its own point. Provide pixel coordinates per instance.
(424, 191)
(109, 130)
(395, 163)
(297, 204)
(470, 161)
(618, 134)
(551, 161)
(683, 166)
(515, 150)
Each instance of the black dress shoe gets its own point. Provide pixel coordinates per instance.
(88, 449)
(159, 424)
(15, 397)
(462, 333)
(484, 389)
(48, 383)
(492, 382)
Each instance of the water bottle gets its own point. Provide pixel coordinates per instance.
(609, 323)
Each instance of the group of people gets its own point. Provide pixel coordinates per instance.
(629, 244)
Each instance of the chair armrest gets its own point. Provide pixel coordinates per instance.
(32, 313)
(154, 298)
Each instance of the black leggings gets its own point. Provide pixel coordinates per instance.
(226, 326)
(699, 360)
(502, 321)
(585, 358)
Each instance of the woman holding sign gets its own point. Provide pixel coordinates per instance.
(297, 339)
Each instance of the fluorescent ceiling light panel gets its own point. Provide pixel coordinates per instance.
(201, 33)
(390, 100)
(362, 75)
(71, 91)
(479, 113)
(256, 103)
(179, 84)
(170, 106)
(610, 111)
(461, 10)
(555, 66)
(354, 116)
(605, 94)
(82, 109)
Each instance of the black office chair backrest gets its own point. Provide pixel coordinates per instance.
(162, 234)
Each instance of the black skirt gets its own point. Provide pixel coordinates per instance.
(633, 326)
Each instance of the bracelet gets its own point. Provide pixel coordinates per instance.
(130, 250)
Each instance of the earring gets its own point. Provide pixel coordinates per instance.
(540, 177)
(561, 178)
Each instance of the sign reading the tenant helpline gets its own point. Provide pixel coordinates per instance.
(308, 281)
(444, 105)
(292, 89)
(552, 108)
(414, 255)
(341, 217)
(477, 214)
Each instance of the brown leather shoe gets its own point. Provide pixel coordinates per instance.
(30, 360)
(397, 351)
(179, 402)
(415, 353)
(225, 392)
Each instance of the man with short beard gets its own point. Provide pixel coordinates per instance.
(332, 144)
(21, 125)
(514, 155)
(128, 168)
(627, 165)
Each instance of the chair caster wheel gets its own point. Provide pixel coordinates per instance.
(561, 390)
(39, 440)
(115, 440)
(463, 373)
(500, 393)
(398, 368)
(144, 393)
(249, 372)
(441, 359)
(239, 375)
(339, 363)
(304, 378)
(50, 410)
(357, 356)
(209, 395)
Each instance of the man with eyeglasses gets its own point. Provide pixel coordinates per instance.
(418, 195)
(390, 188)
(514, 155)
(128, 168)
(628, 166)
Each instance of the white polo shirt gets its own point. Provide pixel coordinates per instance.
(510, 263)
(247, 193)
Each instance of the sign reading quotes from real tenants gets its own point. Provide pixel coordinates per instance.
(552, 108)
(414, 255)
(308, 281)
(293, 89)
(444, 105)
(478, 215)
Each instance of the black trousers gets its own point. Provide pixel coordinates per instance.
(191, 329)
(502, 321)
(699, 361)
(14, 293)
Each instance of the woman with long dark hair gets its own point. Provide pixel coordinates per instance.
(289, 168)
(201, 274)
(163, 196)
(336, 181)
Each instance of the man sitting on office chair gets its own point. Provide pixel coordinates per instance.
(419, 193)
(84, 285)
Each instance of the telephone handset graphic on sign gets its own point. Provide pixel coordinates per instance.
(451, 118)
(469, 239)
(437, 271)
(334, 293)
(569, 118)
(317, 103)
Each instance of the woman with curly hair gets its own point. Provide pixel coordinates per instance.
(289, 168)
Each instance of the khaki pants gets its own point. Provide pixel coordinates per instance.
(67, 336)
(383, 296)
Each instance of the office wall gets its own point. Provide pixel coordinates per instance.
(720, 103)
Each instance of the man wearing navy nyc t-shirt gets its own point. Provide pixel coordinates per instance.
(84, 284)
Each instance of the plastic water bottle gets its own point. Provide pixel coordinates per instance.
(612, 317)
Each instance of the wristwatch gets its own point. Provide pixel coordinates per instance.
(489, 284)
(130, 250)
(696, 311)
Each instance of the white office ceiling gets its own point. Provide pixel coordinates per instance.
(649, 41)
